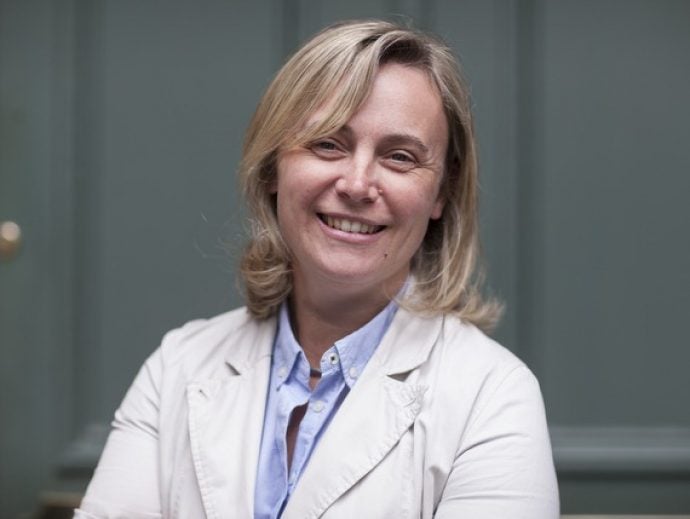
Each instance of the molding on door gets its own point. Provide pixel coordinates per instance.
(631, 451)
(634, 451)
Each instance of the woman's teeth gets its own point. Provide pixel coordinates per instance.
(350, 226)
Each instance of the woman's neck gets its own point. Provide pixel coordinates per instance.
(319, 318)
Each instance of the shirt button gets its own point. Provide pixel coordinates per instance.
(333, 358)
(318, 406)
(282, 372)
(353, 372)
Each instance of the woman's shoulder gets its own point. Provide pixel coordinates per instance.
(464, 360)
(199, 329)
(206, 340)
(455, 342)
(471, 345)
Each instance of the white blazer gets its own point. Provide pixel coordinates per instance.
(442, 423)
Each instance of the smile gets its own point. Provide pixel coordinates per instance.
(351, 226)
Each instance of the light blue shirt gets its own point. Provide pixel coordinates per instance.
(289, 388)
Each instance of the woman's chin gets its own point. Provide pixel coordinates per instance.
(348, 277)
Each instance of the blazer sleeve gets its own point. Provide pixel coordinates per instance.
(504, 466)
(125, 483)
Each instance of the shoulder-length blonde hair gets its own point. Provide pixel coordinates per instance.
(336, 69)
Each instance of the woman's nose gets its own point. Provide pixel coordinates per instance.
(358, 182)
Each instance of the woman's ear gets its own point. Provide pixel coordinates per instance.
(272, 173)
(437, 210)
(273, 186)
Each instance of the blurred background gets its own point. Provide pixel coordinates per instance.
(120, 131)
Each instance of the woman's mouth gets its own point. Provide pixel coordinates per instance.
(351, 226)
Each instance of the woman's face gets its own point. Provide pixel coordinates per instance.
(353, 207)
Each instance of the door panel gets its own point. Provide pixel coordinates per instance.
(36, 285)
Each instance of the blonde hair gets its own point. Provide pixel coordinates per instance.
(336, 69)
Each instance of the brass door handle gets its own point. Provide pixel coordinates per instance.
(10, 240)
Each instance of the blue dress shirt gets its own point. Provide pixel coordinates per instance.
(288, 388)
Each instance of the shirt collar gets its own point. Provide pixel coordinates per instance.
(352, 352)
(355, 350)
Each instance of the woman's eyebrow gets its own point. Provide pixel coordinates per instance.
(406, 139)
(394, 139)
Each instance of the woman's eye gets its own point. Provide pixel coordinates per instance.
(325, 146)
(401, 157)
(401, 161)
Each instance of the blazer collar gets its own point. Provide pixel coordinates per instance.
(226, 415)
(371, 420)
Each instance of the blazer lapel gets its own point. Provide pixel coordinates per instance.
(371, 419)
(226, 420)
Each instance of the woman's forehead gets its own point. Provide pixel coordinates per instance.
(401, 100)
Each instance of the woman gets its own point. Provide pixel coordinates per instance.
(356, 382)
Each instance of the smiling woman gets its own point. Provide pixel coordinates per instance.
(311, 101)
(357, 381)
